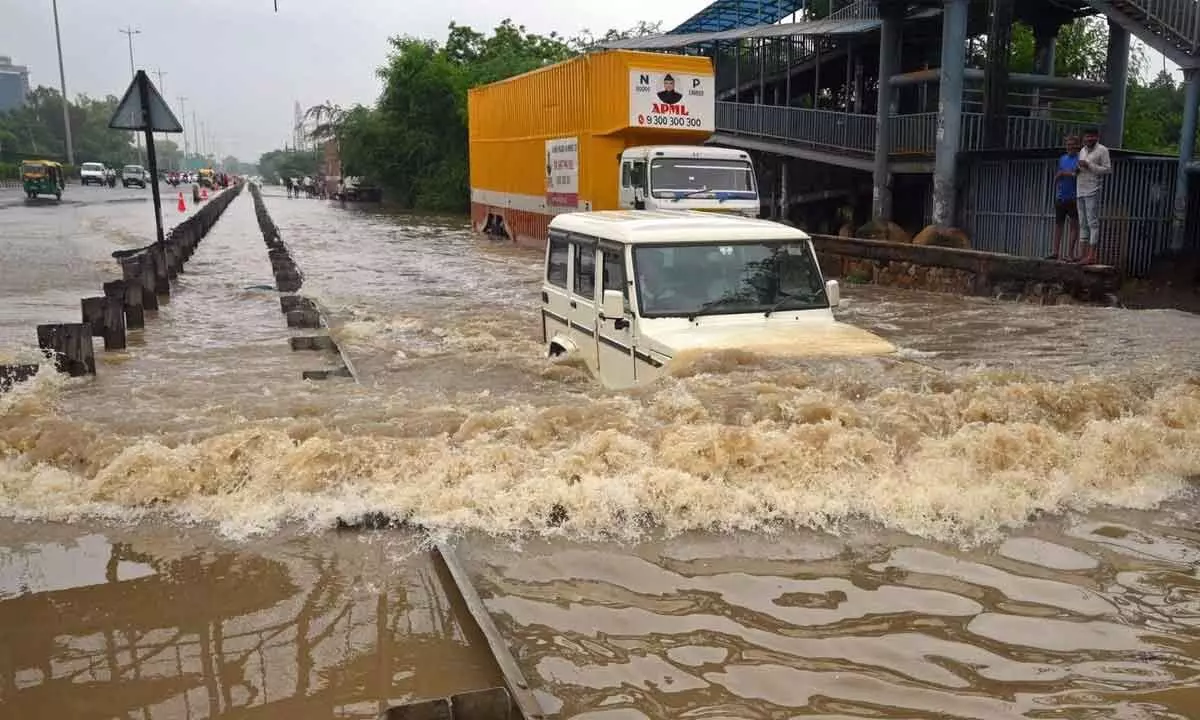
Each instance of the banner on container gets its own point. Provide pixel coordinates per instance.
(562, 172)
(672, 101)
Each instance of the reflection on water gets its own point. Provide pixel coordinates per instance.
(163, 624)
(801, 625)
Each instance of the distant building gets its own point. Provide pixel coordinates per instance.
(14, 84)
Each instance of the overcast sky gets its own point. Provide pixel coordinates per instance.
(241, 65)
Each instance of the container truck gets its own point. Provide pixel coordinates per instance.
(607, 130)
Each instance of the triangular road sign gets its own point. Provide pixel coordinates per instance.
(129, 112)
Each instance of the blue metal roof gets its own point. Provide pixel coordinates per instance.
(729, 14)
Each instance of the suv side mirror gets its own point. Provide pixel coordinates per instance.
(833, 292)
(612, 307)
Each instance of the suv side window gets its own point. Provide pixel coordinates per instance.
(585, 271)
(614, 273)
(556, 267)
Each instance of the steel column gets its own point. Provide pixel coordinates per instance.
(889, 41)
(950, 94)
(1118, 80)
(1187, 142)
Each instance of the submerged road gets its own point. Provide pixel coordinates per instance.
(999, 525)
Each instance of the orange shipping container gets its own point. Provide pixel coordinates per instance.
(549, 141)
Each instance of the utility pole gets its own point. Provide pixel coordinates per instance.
(129, 32)
(62, 79)
(195, 135)
(183, 117)
(162, 89)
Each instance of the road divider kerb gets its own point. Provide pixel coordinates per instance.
(302, 313)
(146, 276)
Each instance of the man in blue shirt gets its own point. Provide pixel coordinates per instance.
(1064, 201)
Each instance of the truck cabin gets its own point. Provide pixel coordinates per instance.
(688, 178)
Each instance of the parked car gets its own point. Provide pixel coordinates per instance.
(92, 173)
(134, 175)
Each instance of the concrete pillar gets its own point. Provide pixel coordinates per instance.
(783, 190)
(1118, 80)
(889, 45)
(1045, 45)
(858, 82)
(950, 92)
(1187, 142)
(995, 76)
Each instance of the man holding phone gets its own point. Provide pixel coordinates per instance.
(1094, 164)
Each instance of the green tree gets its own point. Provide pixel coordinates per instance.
(36, 129)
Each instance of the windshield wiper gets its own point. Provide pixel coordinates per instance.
(786, 296)
(710, 305)
(689, 193)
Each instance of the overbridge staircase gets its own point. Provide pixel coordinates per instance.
(1171, 27)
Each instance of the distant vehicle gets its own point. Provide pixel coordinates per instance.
(205, 178)
(42, 177)
(92, 173)
(133, 175)
(628, 292)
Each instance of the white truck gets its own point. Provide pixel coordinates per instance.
(630, 292)
(688, 177)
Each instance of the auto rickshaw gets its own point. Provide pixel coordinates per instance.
(42, 177)
(206, 178)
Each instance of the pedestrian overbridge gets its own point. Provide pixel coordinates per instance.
(803, 93)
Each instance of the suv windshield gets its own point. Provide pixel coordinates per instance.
(742, 277)
(91, 166)
(701, 178)
(132, 169)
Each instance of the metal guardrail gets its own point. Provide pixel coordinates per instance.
(818, 128)
(912, 134)
(1009, 208)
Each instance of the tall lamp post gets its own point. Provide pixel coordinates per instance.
(183, 116)
(162, 89)
(130, 32)
(62, 79)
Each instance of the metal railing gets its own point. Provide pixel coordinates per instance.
(824, 129)
(914, 134)
(1175, 21)
(1008, 207)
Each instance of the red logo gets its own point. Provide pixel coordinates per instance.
(641, 119)
(666, 109)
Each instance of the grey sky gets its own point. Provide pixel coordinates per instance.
(242, 66)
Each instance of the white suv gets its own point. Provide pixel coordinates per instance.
(92, 172)
(133, 175)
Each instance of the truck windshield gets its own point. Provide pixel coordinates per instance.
(713, 279)
(701, 178)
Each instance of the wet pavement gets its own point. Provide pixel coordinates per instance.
(997, 523)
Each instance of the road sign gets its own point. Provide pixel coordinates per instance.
(131, 112)
(143, 108)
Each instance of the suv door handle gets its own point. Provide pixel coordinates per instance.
(573, 305)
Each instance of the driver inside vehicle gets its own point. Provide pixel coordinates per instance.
(652, 279)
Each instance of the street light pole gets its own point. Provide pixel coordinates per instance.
(130, 32)
(162, 89)
(183, 117)
(62, 79)
(195, 137)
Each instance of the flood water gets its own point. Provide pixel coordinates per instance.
(997, 523)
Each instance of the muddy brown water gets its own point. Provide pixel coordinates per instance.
(998, 523)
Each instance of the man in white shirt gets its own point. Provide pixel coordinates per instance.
(1094, 164)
